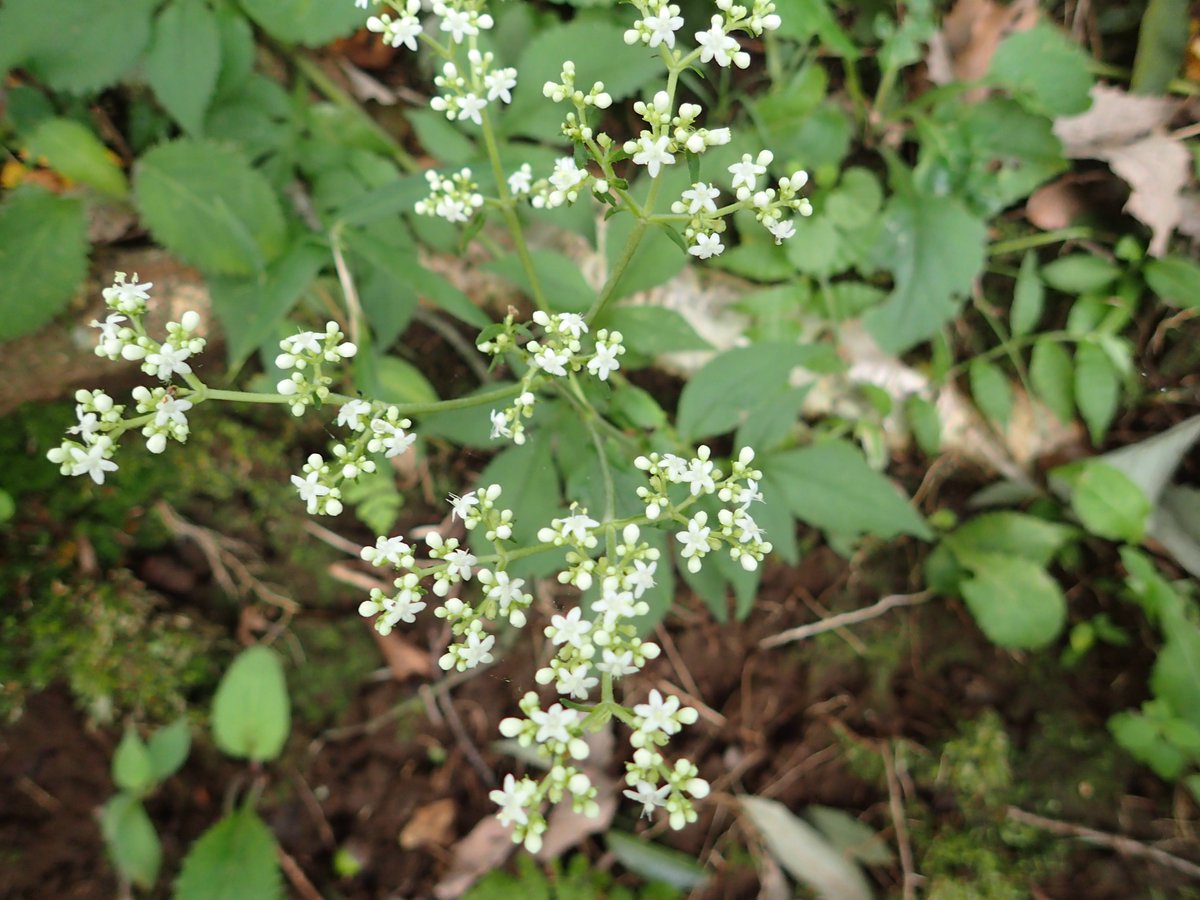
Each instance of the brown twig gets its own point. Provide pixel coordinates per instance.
(1123, 845)
(854, 617)
(333, 539)
(446, 706)
(896, 806)
(304, 888)
(681, 670)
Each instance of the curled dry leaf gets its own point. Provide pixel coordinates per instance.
(963, 48)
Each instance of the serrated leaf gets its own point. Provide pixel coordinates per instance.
(251, 713)
(1097, 389)
(43, 258)
(132, 766)
(1043, 66)
(73, 150)
(168, 748)
(205, 203)
(1014, 602)
(234, 860)
(1109, 504)
(803, 852)
(830, 485)
(991, 390)
(1175, 280)
(1080, 273)
(131, 840)
(1052, 375)
(934, 249)
(1009, 534)
(184, 60)
(1028, 297)
(307, 22)
(74, 50)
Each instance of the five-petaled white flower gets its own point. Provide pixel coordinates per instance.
(653, 153)
(554, 723)
(700, 197)
(706, 246)
(168, 360)
(552, 361)
(745, 173)
(716, 44)
(605, 361)
(663, 24)
(512, 798)
(781, 229)
(648, 796)
(568, 629)
(93, 461)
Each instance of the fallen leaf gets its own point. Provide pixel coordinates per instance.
(962, 49)
(486, 848)
(1057, 204)
(566, 828)
(432, 824)
(403, 659)
(1119, 128)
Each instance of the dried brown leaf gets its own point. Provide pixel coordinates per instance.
(432, 824)
(1115, 118)
(403, 659)
(486, 848)
(566, 828)
(963, 48)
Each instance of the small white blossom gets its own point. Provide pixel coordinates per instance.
(706, 246)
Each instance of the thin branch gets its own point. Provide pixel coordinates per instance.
(896, 806)
(854, 617)
(1123, 845)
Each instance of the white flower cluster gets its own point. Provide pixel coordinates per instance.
(670, 133)
(661, 20)
(735, 527)
(458, 20)
(454, 198)
(465, 96)
(161, 414)
(576, 125)
(307, 353)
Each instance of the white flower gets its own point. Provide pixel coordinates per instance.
(577, 527)
(351, 414)
(500, 424)
(127, 298)
(168, 360)
(392, 550)
(552, 361)
(171, 410)
(500, 83)
(700, 197)
(663, 25)
(617, 664)
(648, 796)
(390, 438)
(462, 505)
(110, 342)
(572, 324)
(641, 579)
(88, 427)
(699, 474)
(781, 229)
(695, 541)
(512, 798)
(310, 489)
(477, 650)
(455, 21)
(470, 107)
(706, 246)
(520, 180)
(715, 43)
(658, 714)
(576, 682)
(745, 173)
(568, 629)
(605, 361)
(94, 460)
(653, 153)
(554, 723)
(459, 563)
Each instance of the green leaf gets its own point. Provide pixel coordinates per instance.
(1028, 297)
(1009, 534)
(1176, 676)
(250, 308)
(1080, 273)
(1097, 389)
(184, 60)
(234, 860)
(72, 49)
(399, 381)
(1014, 602)
(563, 285)
(168, 748)
(655, 862)
(206, 204)
(531, 491)
(656, 260)
(934, 248)
(1175, 280)
(469, 427)
(251, 715)
(1109, 504)
(1162, 46)
(1052, 375)
(132, 842)
(925, 423)
(851, 837)
(43, 258)
(991, 390)
(805, 19)
(1139, 735)
(73, 150)
(445, 296)
(1045, 67)
(731, 386)
(829, 485)
(443, 140)
(132, 766)
(307, 22)
(653, 330)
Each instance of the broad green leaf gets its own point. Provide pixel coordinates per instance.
(633, 406)
(237, 47)
(1175, 279)
(1162, 46)
(73, 150)
(443, 140)
(934, 248)
(814, 248)
(251, 713)
(730, 387)
(184, 60)
(132, 766)
(1080, 273)
(1097, 389)
(445, 296)
(43, 258)
(531, 490)
(805, 19)
(775, 518)
(1109, 504)
(850, 836)
(251, 307)
(74, 49)
(925, 423)
(829, 485)
(1045, 67)
(1028, 297)
(655, 862)
(857, 199)
(399, 381)
(1176, 676)
(205, 203)
(653, 330)
(168, 748)
(1009, 534)
(804, 852)
(234, 860)
(563, 285)
(1139, 735)
(132, 842)
(307, 22)
(1014, 602)
(469, 427)
(656, 260)
(991, 390)
(773, 423)
(1052, 374)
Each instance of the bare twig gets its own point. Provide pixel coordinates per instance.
(854, 617)
(1123, 845)
(705, 711)
(896, 806)
(450, 714)
(332, 538)
(304, 888)
(349, 290)
(677, 663)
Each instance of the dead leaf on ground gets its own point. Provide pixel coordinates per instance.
(486, 848)
(1120, 129)
(432, 824)
(963, 48)
(566, 828)
(403, 659)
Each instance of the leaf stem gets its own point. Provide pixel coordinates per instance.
(1029, 241)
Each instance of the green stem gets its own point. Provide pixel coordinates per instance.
(1063, 337)
(1029, 241)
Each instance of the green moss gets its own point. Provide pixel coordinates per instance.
(338, 655)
